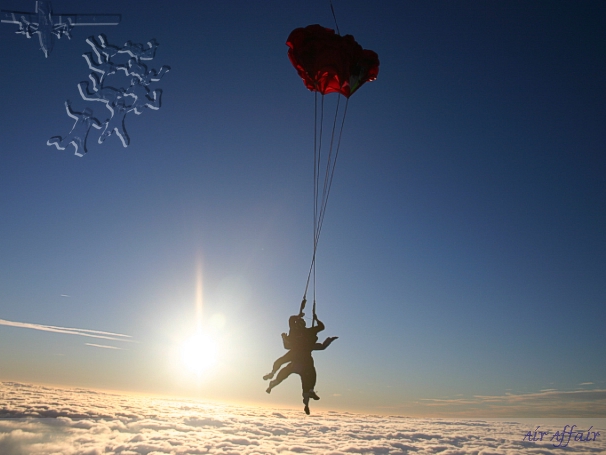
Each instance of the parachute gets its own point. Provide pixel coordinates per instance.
(328, 63)
(331, 63)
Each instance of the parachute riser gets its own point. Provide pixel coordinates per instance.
(302, 314)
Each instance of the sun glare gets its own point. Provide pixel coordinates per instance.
(199, 353)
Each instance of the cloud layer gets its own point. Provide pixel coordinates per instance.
(36, 420)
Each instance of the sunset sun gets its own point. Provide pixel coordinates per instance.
(199, 353)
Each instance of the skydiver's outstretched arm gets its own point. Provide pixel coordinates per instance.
(108, 49)
(68, 108)
(320, 325)
(327, 342)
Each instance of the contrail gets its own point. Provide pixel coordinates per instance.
(70, 331)
(102, 346)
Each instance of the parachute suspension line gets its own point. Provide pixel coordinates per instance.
(317, 207)
(320, 204)
(317, 159)
(317, 147)
(329, 167)
(334, 17)
(332, 172)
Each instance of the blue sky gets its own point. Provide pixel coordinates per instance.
(463, 253)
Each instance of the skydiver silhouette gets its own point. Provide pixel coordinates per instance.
(79, 132)
(300, 342)
(296, 337)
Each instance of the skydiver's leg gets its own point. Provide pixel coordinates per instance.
(283, 374)
(78, 144)
(277, 364)
(69, 139)
(107, 131)
(121, 131)
(112, 126)
(306, 403)
(57, 142)
(308, 381)
(156, 101)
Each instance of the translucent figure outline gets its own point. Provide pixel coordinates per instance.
(107, 95)
(141, 93)
(116, 123)
(119, 101)
(140, 71)
(104, 66)
(79, 132)
(139, 51)
(102, 47)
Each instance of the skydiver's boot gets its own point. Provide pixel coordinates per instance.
(306, 403)
(272, 384)
(268, 376)
(313, 395)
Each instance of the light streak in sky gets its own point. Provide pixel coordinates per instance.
(102, 346)
(70, 331)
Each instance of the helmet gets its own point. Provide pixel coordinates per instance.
(296, 321)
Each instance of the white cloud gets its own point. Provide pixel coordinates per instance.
(36, 420)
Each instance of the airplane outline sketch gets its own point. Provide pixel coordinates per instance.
(49, 26)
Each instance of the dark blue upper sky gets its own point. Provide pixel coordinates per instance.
(464, 248)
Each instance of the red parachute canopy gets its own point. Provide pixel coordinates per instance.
(330, 63)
